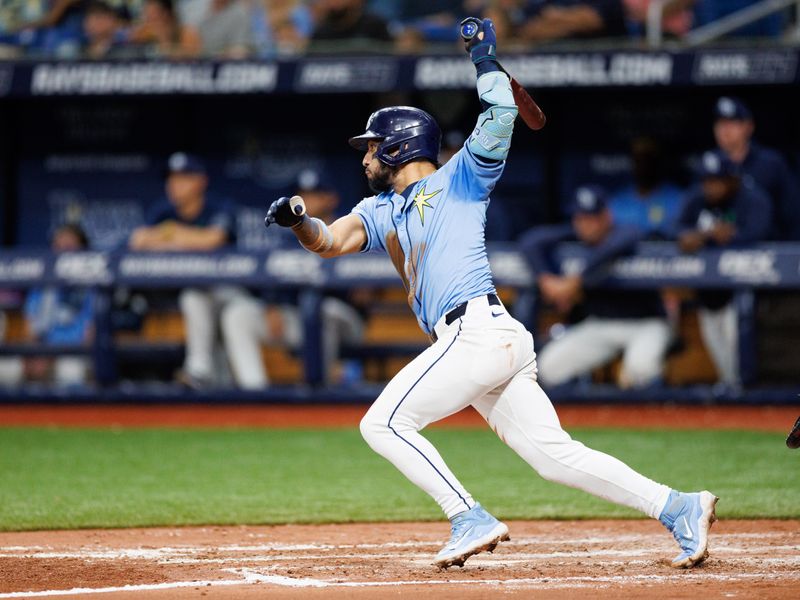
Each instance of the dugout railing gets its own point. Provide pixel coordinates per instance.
(745, 271)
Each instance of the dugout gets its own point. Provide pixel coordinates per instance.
(91, 139)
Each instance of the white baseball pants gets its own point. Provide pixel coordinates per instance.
(244, 330)
(486, 359)
(201, 310)
(596, 341)
(720, 331)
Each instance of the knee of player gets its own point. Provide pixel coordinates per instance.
(189, 298)
(372, 428)
(234, 316)
(640, 373)
(550, 373)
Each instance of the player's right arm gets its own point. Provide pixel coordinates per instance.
(491, 138)
(346, 235)
(479, 164)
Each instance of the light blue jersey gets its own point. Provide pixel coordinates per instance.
(434, 234)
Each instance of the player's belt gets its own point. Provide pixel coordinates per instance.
(460, 310)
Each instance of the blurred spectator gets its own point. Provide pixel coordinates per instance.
(248, 323)
(102, 28)
(733, 130)
(726, 210)
(226, 30)
(56, 316)
(548, 20)
(707, 11)
(191, 12)
(281, 27)
(192, 221)
(160, 34)
(608, 323)
(49, 28)
(649, 203)
(347, 20)
(416, 22)
(676, 20)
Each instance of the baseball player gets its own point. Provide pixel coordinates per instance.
(431, 222)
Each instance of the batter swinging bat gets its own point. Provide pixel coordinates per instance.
(530, 112)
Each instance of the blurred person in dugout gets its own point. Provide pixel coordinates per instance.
(56, 316)
(727, 209)
(650, 201)
(192, 220)
(733, 130)
(606, 322)
(248, 323)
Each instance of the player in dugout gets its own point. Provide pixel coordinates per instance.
(193, 220)
(430, 220)
(727, 209)
(607, 322)
(734, 127)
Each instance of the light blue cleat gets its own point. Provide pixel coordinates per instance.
(689, 517)
(472, 531)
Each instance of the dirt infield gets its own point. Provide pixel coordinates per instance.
(544, 559)
(762, 418)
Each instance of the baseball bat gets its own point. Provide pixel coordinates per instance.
(531, 114)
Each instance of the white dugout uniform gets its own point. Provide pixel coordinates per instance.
(481, 356)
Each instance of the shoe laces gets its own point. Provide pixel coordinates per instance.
(458, 526)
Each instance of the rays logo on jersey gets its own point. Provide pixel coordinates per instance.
(421, 202)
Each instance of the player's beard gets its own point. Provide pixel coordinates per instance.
(381, 179)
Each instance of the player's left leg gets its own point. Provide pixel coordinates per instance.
(719, 329)
(522, 415)
(465, 363)
(341, 324)
(646, 345)
(197, 308)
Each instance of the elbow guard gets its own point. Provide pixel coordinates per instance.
(492, 135)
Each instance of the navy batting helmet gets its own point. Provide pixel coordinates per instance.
(405, 133)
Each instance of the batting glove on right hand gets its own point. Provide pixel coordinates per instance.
(479, 39)
(282, 213)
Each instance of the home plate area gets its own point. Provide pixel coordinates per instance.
(545, 559)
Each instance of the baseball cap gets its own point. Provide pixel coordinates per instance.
(313, 180)
(728, 107)
(181, 162)
(589, 200)
(716, 164)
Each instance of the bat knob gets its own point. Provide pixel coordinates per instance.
(297, 205)
(469, 28)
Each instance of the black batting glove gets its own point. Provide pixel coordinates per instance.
(280, 212)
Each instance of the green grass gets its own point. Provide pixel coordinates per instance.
(65, 478)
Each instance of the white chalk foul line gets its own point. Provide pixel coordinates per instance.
(539, 582)
(124, 588)
(728, 539)
(249, 576)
